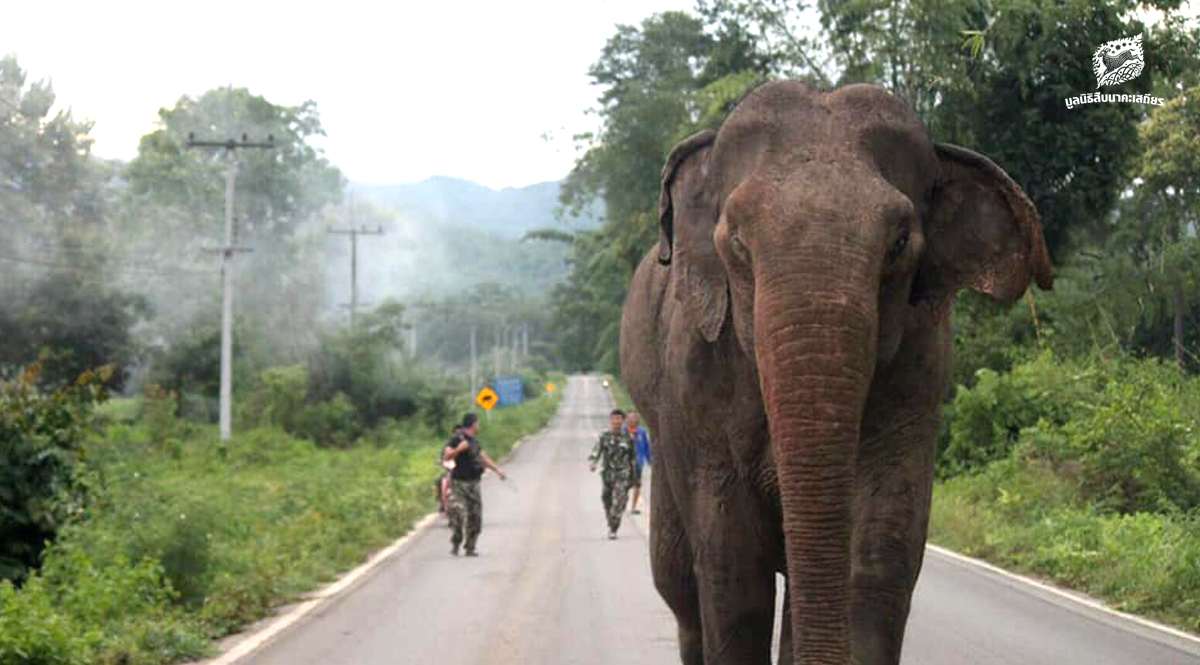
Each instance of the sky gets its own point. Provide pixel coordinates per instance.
(406, 90)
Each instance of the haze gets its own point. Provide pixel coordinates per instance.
(406, 90)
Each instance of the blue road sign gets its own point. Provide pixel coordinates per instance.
(510, 389)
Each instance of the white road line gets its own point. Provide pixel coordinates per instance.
(1086, 602)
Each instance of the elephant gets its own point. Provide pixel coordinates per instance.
(788, 341)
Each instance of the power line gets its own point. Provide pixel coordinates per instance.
(127, 269)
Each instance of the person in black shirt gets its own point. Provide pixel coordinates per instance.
(465, 503)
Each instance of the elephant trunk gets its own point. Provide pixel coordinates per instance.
(816, 353)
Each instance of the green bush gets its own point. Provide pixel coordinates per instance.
(181, 542)
(198, 407)
(276, 399)
(32, 632)
(1023, 514)
(190, 365)
(1133, 444)
(74, 611)
(985, 421)
(532, 382)
(364, 363)
(158, 410)
(988, 335)
(436, 404)
(1083, 471)
(333, 423)
(41, 436)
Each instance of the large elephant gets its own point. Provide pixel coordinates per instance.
(788, 341)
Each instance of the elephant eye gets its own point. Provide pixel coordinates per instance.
(897, 247)
(739, 248)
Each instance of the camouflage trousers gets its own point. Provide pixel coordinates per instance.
(614, 495)
(465, 508)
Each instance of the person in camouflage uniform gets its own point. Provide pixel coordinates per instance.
(465, 503)
(619, 456)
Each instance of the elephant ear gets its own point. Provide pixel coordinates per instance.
(983, 233)
(687, 216)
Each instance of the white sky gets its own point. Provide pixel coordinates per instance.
(406, 90)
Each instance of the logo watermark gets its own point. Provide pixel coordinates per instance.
(1116, 62)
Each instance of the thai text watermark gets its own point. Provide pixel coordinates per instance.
(1098, 97)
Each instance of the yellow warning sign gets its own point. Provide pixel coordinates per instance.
(549, 387)
(487, 398)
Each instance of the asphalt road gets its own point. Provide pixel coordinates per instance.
(550, 588)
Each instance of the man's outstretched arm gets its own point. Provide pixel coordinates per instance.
(487, 462)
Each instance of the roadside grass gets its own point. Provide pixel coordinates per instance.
(1020, 515)
(187, 540)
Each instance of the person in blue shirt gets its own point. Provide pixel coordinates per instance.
(641, 440)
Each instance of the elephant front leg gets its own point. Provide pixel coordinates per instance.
(671, 564)
(893, 517)
(737, 607)
(736, 579)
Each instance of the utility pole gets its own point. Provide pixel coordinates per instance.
(524, 340)
(515, 346)
(230, 146)
(474, 368)
(497, 348)
(354, 233)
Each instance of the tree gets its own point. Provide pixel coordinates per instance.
(1073, 163)
(58, 296)
(1168, 205)
(663, 80)
(77, 324)
(46, 183)
(277, 189)
(173, 209)
(779, 34)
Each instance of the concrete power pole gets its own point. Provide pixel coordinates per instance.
(230, 146)
(354, 233)
(497, 348)
(474, 367)
(516, 348)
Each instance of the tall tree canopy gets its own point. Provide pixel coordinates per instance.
(45, 185)
(174, 207)
(662, 80)
(56, 298)
(276, 188)
(991, 75)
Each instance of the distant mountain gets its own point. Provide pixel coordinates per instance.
(446, 235)
(508, 212)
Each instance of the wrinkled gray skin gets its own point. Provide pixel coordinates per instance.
(788, 342)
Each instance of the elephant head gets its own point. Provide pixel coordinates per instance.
(819, 230)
